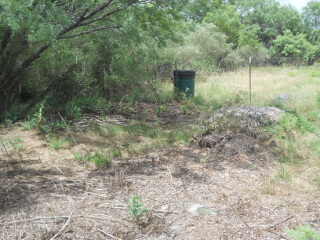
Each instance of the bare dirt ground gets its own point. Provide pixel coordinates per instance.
(199, 191)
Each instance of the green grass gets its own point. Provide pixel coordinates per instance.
(16, 143)
(57, 143)
(140, 137)
(100, 159)
(303, 232)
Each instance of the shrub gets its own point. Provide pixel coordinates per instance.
(304, 232)
(136, 209)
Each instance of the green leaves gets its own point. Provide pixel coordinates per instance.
(136, 209)
(290, 45)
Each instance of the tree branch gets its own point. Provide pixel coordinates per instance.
(44, 93)
(24, 66)
(5, 40)
(90, 31)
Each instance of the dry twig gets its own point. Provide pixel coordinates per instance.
(279, 223)
(108, 234)
(64, 226)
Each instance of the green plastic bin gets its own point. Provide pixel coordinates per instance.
(183, 81)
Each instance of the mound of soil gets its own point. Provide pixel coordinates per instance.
(235, 135)
(249, 116)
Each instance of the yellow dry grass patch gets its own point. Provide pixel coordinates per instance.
(300, 83)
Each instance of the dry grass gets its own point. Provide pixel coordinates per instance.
(300, 83)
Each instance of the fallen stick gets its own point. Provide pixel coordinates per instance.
(277, 234)
(64, 226)
(279, 223)
(108, 234)
(39, 218)
(160, 211)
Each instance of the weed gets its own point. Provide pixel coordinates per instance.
(126, 144)
(318, 180)
(283, 174)
(30, 124)
(116, 152)
(57, 144)
(16, 143)
(73, 110)
(268, 186)
(98, 158)
(292, 74)
(198, 100)
(78, 156)
(185, 110)
(204, 211)
(161, 109)
(303, 232)
(206, 159)
(136, 209)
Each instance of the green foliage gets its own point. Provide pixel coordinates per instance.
(286, 130)
(16, 143)
(283, 174)
(185, 110)
(206, 159)
(272, 18)
(161, 109)
(227, 20)
(136, 209)
(204, 49)
(293, 46)
(205, 211)
(297, 121)
(311, 16)
(318, 180)
(303, 232)
(98, 158)
(57, 143)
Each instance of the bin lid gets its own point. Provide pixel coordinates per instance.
(184, 74)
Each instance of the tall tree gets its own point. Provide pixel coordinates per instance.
(227, 20)
(272, 18)
(311, 20)
(30, 27)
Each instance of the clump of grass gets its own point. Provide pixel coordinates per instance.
(318, 181)
(16, 143)
(99, 159)
(283, 174)
(57, 143)
(206, 159)
(161, 109)
(288, 133)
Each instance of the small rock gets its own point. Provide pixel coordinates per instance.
(281, 98)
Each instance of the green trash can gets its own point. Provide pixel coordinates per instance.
(183, 81)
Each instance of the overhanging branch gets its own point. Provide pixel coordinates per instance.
(91, 31)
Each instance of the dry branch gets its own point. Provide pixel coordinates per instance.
(64, 226)
(279, 223)
(108, 234)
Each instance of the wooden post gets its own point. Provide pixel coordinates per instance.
(250, 94)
